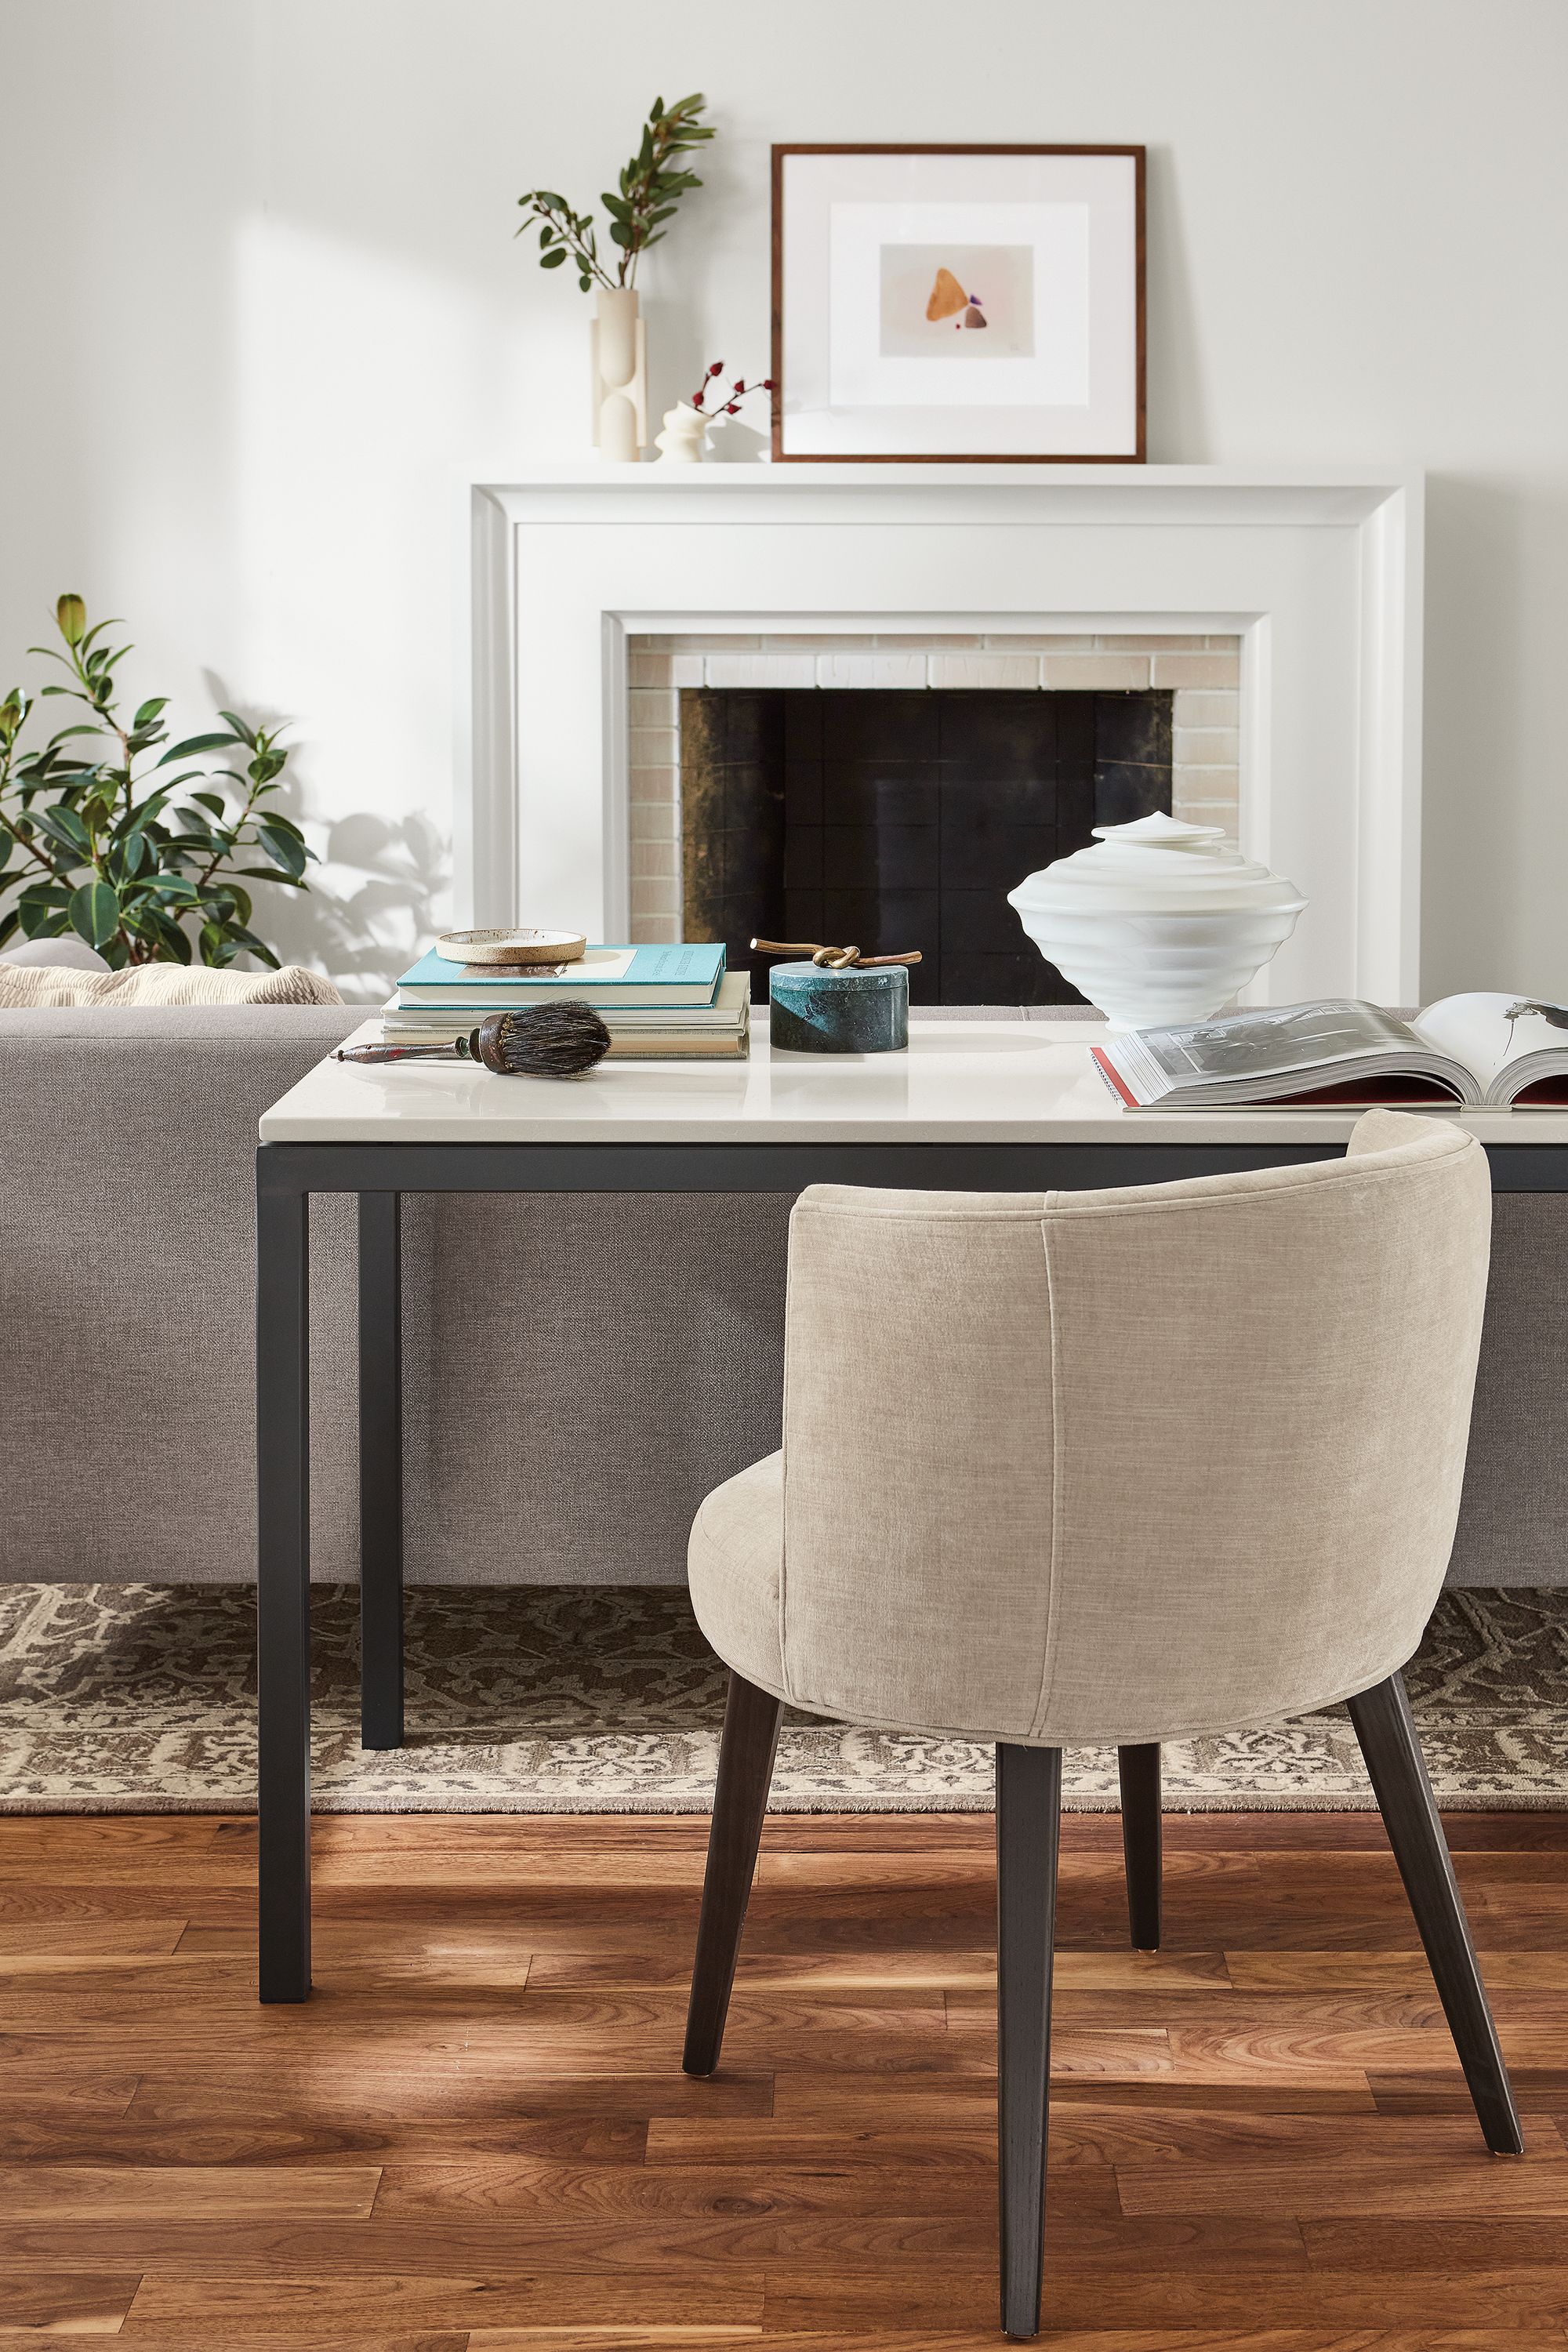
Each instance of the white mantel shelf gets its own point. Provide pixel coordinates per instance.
(1317, 570)
(1220, 494)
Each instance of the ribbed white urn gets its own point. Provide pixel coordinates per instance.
(1162, 922)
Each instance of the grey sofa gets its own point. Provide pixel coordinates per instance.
(579, 1372)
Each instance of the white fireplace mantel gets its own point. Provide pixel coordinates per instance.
(1318, 572)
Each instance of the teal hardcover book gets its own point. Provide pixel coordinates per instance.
(685, 974)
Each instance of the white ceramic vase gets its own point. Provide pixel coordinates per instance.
(620, 375)
(1161, 923)
(684, 440)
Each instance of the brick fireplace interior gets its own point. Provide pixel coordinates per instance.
(899, 820)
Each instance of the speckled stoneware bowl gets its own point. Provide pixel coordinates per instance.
(814, 1010)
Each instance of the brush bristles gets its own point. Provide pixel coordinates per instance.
(543, 1041)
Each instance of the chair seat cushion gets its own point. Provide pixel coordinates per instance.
(733, 1565)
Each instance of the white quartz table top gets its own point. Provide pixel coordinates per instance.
(959, 1082)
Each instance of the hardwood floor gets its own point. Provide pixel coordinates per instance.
(476, 2137)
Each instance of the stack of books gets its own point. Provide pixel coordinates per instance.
(659, 1004)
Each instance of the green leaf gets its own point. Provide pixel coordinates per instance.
(95, 913)
(620, 235)
(147, 712)
(213, 800)
(195, 743)
(284, 848)
(553, 259)
(622, 211)
(242, 937)
(62, 826)
(175, 942)
(71, 617)
(557, 203)
(246, 734)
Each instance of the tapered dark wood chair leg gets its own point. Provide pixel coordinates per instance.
(1398, 1773)
(745, 1774)
(1138, 1768)
(1028, 1837)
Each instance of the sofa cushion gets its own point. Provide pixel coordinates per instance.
(23, 990)
(72, 953)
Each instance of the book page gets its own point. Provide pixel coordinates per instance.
(1268, 1043)
(1488, 1029)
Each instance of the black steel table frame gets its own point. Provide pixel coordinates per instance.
(379, 1174)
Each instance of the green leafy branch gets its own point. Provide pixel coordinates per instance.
(651, 187)
(92, 842)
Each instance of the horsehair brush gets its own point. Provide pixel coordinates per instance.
(541, 1041)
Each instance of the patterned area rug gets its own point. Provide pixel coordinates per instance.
(140, 1698)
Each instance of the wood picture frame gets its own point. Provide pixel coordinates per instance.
(832, 276)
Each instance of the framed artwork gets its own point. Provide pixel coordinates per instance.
(954, 304)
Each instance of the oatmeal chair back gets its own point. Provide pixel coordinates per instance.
(1117, 1467)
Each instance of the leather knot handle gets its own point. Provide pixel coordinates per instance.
(832, 959)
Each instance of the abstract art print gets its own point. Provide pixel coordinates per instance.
(931, 292)
(958, 303)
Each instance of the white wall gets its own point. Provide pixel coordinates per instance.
(263, 309)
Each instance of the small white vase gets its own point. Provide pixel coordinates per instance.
(1161, 924)
(619, 350)
(684, 441)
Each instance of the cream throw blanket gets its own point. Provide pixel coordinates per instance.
(27, 989)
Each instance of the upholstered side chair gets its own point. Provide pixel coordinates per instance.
(1113, 1467)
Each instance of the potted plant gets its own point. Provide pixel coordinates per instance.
(146, 868)
(651, 186)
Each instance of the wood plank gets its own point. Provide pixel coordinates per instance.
(1467, 2185)
(100, 2193)
(701, 2191)
(1498, 2305)
(1145, 2132)
(418, 2088)
(278, 2137)
(266, 2341)
(1308, 1971)
(828, 1977)
(985, 2339)
(65, 2301)
(645, 2249)
(208, 2310)
(47, 1944)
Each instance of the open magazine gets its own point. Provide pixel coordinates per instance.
(1480, 1050)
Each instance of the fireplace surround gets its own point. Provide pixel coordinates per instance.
(1298, 594)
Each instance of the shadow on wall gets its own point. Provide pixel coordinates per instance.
(1491, 547)
(372, 907)
(377, 898)
(1178, 400)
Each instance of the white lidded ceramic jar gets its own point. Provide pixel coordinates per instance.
(1161, 923)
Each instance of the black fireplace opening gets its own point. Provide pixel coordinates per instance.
(891, 820)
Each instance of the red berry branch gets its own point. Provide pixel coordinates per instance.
(729, 401)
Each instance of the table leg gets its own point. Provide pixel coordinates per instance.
(381, 1469)
(283, 1588)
